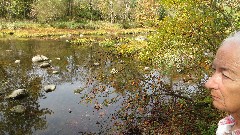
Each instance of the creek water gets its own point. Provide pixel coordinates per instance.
(84, 99)
(91, 86)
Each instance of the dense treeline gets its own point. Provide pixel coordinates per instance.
(123, 11)
(141, 12)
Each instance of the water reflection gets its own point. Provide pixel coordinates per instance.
(96, 92)
(65, 110)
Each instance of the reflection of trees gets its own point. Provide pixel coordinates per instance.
(16, 76)
(151, 103)
(156, 107)
(32, 119)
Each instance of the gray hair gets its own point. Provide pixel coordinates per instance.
(233, 38)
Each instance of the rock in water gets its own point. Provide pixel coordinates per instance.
(17, 61)
(39, 58)
(55, 72)
(44, 65)
(96, 64)
(18, 109)
(49, 88)
(114, 71)
(17, 93)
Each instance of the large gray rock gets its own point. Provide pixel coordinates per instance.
(17, 93)
(39, 58)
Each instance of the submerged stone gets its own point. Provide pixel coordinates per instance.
(78, 91)
(39, 58)
(96, 64)
(17, 61)
(49, 88)
(55, 72)
(44, 65)
(114, 71)
(17, 93)
(18, 109)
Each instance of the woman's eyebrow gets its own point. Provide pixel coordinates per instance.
(222, 67)
(227, 69)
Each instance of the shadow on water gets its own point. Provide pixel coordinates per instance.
(96, 92)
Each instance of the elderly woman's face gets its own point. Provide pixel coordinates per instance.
(225, 81)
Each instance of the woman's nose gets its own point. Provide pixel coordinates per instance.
(212, 82)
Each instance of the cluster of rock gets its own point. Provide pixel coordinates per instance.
(39, 58)
(21, 93)
(16, 94)
(43, 62)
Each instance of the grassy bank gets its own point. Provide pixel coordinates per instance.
(56, 30)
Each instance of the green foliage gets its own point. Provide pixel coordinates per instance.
(86, 13)
(147, 12)
(18, 25)
(187, 33)
(49, 10)
(133, 13)
(15, 9)
(83, 41)
(127, 46)
(130, 24)
(92, 25)
(107, 43)
(68, 25)
(210, 130)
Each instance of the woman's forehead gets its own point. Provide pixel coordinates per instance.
(229, 49)
(228, 55)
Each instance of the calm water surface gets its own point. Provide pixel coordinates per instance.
(90, 87)
(85, 98)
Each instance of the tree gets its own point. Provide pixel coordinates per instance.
(190, 29)
(15, 9)
(70, 5)
(49, 10)
(187, 36)
(147, 11)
